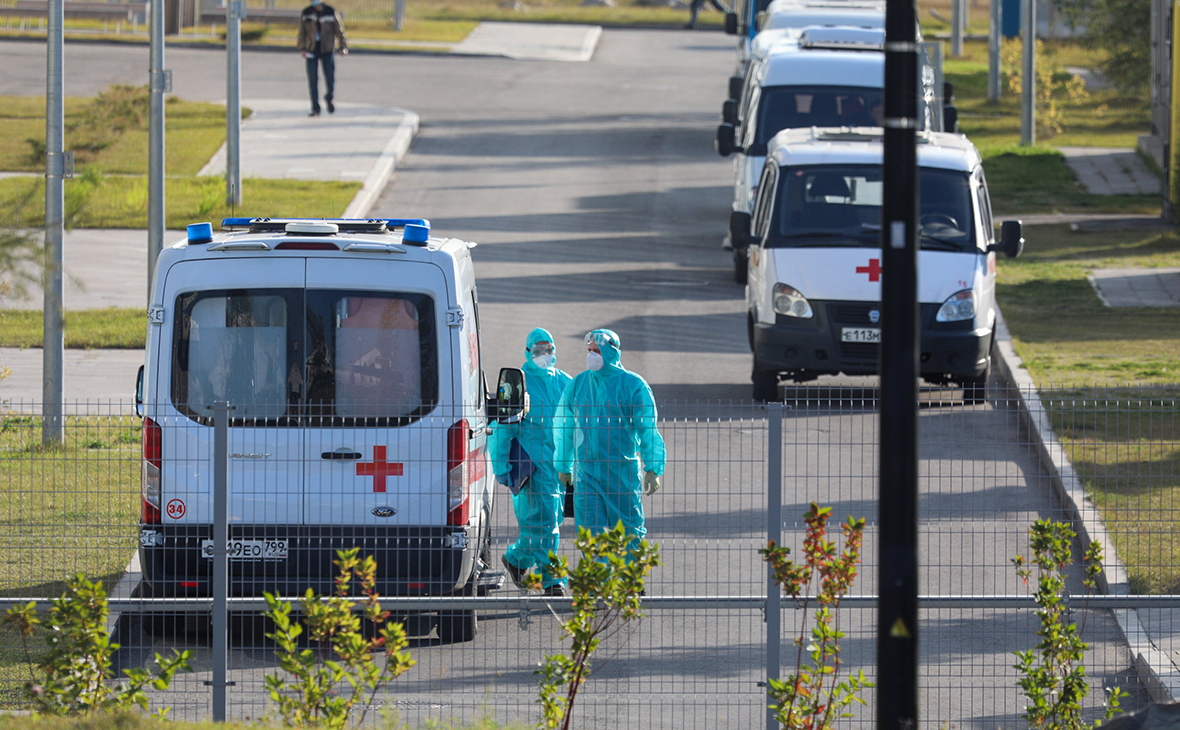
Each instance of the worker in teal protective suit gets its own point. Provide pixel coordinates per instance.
(539, 504)
(607, 442)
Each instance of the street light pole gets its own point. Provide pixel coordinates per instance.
(1028, 74)
(235, 10)
(58, 166)
(897, 612)
(995, 33)
(160, 82)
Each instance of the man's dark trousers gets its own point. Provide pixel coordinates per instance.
(313, 86)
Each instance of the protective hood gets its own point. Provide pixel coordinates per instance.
(609, 346)
(540, 334)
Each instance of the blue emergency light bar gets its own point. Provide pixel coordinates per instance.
(346, 225)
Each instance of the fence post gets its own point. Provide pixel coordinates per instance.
(774, 529)
(221, 411)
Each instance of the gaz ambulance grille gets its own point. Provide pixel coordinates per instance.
(854, 313)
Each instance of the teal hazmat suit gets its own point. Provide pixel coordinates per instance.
(539, 504)
(607, 438)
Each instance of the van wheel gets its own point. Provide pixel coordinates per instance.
(975, 389)
(765, 384)
(170, 625)
(457, 627)
(740, 267)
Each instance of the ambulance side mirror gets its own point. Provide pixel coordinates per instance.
(739, 230)
(1011, 238)
(729, 112)
(736, 83)
(726, 143)
(139, 393)
(512, 400)
(731, 23)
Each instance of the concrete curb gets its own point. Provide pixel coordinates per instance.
(383, 168)
(1155, 669)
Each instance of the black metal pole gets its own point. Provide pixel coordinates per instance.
(897, 612)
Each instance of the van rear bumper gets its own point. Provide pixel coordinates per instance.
(411, 561)
(805, 348)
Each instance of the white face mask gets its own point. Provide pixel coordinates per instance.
(594, 360)
(544, 361)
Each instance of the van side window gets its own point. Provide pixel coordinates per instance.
(985, 212)
(233, 346)
(371, 355)
(765, 203)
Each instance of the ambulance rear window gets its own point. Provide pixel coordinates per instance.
(289, 357)
(232, 346)
(373, 355)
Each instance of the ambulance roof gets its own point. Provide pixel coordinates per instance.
(862, 145)
(862, 15)
(817, 37)
(365, 238)
(790, 67)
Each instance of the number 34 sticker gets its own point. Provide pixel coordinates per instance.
(175, 509)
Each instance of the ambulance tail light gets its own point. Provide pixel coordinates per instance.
(789, 302)
(458, 473)
(150, 475)
(960, 306)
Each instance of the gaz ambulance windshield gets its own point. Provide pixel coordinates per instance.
(792, 107)
(840, 205)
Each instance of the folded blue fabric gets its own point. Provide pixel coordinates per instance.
(520, 467)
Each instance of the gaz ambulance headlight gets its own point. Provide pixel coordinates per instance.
(790, 302)
(959, 307)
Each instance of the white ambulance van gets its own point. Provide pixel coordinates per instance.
(814, 290)
(758, 23)
(349, 352)
(829, 77)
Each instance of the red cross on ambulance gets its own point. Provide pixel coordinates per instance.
(379, 468)
(873, 269)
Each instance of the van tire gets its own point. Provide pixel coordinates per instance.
(975, 388)
(170, 625)
(765, 385)
(457, 627)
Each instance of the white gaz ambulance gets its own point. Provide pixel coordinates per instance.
(760, 23)
(828, 77)
(349, 353)
(815, 265)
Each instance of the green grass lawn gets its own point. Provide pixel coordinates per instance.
(92, 329)
(63, 512)
(67, 511)
(1124, 445)
(109, 132)
(1061, 329)
(121, 202)
(1036, 179)
(1122, 441)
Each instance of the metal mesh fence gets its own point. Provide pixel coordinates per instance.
(698, 657)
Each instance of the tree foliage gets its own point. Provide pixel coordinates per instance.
(1120, 30)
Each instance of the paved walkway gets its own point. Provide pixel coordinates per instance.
(531, 41)
(1137, 287)
(1111, 171)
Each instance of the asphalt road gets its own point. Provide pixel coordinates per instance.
(597, 201)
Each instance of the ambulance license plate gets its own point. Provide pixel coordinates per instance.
(860, 334)
(248, 550)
